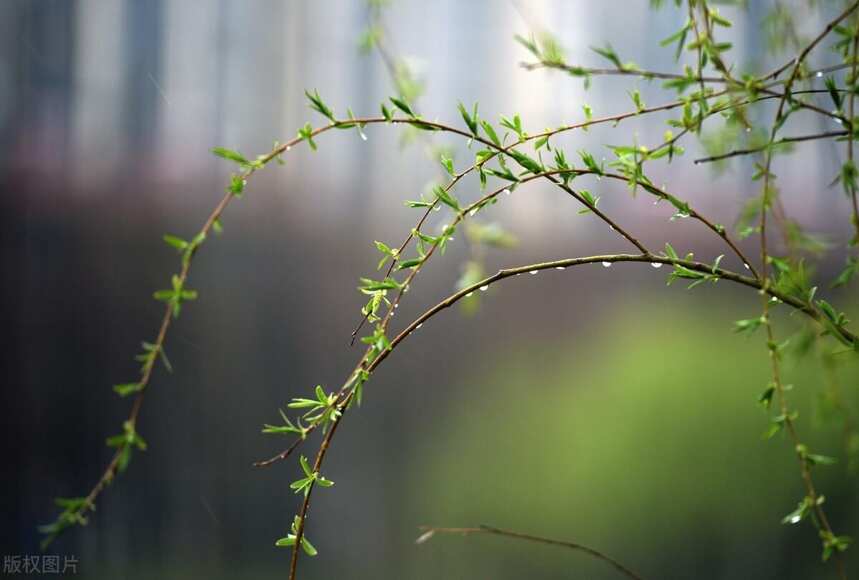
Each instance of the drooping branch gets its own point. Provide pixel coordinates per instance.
(430, 531)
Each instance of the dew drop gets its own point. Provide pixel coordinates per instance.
(656, 264)
(533, 272)
(746, 266)
(472, 213)
(397, 305)
(606, 264)
(469, 294)
(419, 326)
(611, 228)
(748, 129)
(484, 288)
(819, 74)
(560, 267)
(288, 147)
(363, 136)
(506, 192)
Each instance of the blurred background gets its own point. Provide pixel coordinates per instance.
(592, 405)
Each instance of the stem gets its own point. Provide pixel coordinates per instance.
(797, 139)
(805, 471)
(429, 531)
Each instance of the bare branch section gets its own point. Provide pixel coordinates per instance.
(430, 531)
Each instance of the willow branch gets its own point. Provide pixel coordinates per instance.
(782, 141)
(820, 519)
(430, 531)
(626, 72)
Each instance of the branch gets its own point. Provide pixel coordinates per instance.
(749, 151)
(430, 531)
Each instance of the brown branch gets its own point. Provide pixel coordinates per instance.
(629, 72)
(749, 151)
(820, 519)
(430, 531)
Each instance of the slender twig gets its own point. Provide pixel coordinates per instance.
(820, 519)
(628, 72)
(851, 107)
(783, 140)
(430, 531)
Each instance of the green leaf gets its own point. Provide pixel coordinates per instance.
(670, 252)
(609, 54)
(765, 400)
(306, 133)
(305, 466)
(126, 389)
(230, 155)
(446, 198)
(470, 120)
(237, 185)
(490, 132)
(750, 325)
(525, 161)
(447, 163)
(317, 104)
(403, 106)
(176, 242)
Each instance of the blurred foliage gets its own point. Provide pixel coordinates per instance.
(646, 444)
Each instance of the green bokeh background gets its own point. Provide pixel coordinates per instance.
(645, 444)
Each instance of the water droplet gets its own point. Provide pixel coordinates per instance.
(288, 147)
(656, 202)
(473, 212)
(560, 267)
(656, 264)
(819, 74)
(611, 228)
(606, 264)
(533, 272)
(484, 288)
(506, 192)
(469, 294)
(746, 266)
(450, 239)
(363, 136)
(397, 305)
(748, 129)
(419, 326)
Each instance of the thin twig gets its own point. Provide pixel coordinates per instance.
(430, 531)
(783, 140)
